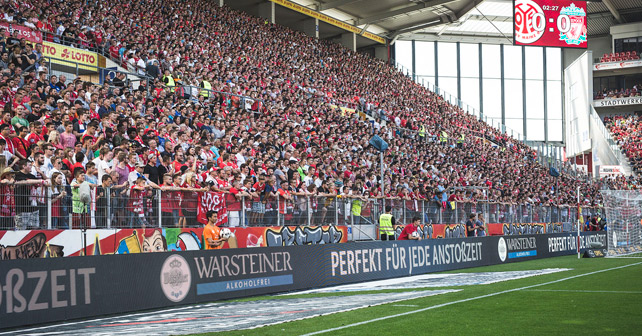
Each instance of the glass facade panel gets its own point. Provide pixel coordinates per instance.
(449, 85)
(535, 129)
(554, 99)
(447, 58)
(425, 58)
(553, 64)
(491, 61)
(492, 98)
(470, 92)
(403, 53)
(534, 62)
(469, 60)
(515, 127)
(534, 100)
(515, 98)
(513, 102)
(555, 130)
(512, 62)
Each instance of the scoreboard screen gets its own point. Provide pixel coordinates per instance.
(549, 23)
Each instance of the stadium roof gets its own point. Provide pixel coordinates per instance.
(487, 21)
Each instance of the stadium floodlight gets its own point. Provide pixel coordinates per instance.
(380, 145)
(624, 226)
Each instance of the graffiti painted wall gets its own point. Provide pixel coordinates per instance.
(512, 229)
(493, 229)
(428, 231)
(26, 244)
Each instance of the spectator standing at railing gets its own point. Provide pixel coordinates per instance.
(27, 212)
(8, 159)
(285, 196)
(103, 208)
(56, 194)
(7, 199)
(170, 200)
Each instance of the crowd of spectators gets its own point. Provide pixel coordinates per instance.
(627, 131)
(618, 93)
(288, 138)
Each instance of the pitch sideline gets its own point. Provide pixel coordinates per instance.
(465, 300)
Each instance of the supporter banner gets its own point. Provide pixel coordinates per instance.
(505, 229)
(435, 231)
(29, 244)
(610, 102)
(327, 19)
(617, 65)
(214, 201)
(290, 235)
(25, 32)
(59, 54)
(39, 291)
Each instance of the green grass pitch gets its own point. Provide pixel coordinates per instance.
(603, 303)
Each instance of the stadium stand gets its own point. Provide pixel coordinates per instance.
(282, 106)
(627, 131)
(619, 57)
(607, 93)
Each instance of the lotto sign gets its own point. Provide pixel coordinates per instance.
(60, 54)
(550, 23)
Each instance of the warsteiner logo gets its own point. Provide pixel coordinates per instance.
(176, 278)
(529, 16)
(502, 250)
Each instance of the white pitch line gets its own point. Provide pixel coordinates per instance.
(464, 300)
(582, 291)
(398, 305)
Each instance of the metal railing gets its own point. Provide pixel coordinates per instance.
(44, 207)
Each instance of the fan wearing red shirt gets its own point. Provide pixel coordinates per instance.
(284, 195)
(233, 203)
(179, 161)
(170, 202)
(33, 137)
(410, 231)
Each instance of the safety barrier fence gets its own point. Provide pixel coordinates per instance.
(60, 207)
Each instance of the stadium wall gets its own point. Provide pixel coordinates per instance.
(37, 291)
(29, 244)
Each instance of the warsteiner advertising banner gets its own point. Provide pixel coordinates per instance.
(46, 290)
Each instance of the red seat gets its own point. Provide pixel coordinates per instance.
(605, 55)
(619, 59)
(634, 53)
(612, 55)
(628, 53)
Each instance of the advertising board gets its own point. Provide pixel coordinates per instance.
(39, 291)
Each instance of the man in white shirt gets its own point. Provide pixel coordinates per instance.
(47, 166)
(103, 162)
(240, 156)
(5, 153)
